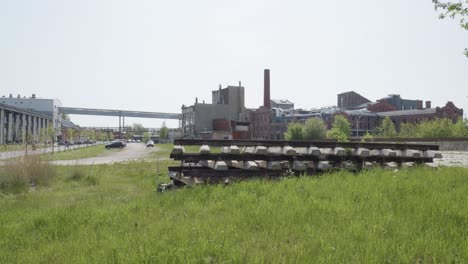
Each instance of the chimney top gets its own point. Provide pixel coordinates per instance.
(266, 88)
(428, 104)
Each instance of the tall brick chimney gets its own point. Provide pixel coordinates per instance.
(266, 88)
(428, 104)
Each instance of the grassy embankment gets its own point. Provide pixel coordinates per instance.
(79, 153)
(111, 213)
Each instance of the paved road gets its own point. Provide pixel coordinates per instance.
(133, 151)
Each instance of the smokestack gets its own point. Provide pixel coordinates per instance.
(428, 104)
(266, 88)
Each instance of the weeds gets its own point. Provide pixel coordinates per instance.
(18, 174)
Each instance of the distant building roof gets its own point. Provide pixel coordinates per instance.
(68, 124)
(281, 101)
(363, 106)
(409, 112)
(361, 112)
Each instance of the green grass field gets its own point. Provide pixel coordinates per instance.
(8, 148)
(113, 214)
(79, 153)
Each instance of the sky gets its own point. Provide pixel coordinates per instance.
(157, 55)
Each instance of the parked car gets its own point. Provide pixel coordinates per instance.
(150, 143)
(115, 144)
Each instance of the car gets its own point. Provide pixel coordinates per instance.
(149, 143)
(115, 144)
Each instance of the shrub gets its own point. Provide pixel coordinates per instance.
(294, 132)
(314, 128)
(341, 129)
(387, 128)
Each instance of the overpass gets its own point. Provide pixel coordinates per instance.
(119, 113)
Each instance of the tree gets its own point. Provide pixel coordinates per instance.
(314, 128)
(65, 117)
(453, 10)
(146, 136)
(459, 129)
(137, 127)
(164, 131)
(341, 129)
(408, 130)
(386, 128)
(294, 132)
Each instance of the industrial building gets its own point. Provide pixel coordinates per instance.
(18, 125)
(39, 106)
(270, 120)
(227, 104)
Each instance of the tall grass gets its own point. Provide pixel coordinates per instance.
(378, 216)
(18, 174)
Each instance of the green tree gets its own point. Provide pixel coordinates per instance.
(146, 136)
(341, 129)
(137, 127)
(65, 117)
(459, 129)
(294, 132)
(164, 131)
(453, 10)
(314, 128)
(386, 128)
(408, 130)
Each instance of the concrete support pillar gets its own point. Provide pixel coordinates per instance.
(17, 134)
(35, 128)
(2, 126)
(30, 126)
(10, 128)
(23, 128)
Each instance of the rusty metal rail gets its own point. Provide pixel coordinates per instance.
(304, 143)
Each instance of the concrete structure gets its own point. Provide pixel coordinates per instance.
(119, 113)
(282, 104)
(227, 103)
(402, 104)
(43, 106)
(18, 125)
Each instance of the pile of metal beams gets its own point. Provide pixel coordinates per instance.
(240, 159)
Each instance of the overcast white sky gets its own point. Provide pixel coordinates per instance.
(158, 55)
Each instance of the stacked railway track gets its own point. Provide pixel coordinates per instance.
(223, 161)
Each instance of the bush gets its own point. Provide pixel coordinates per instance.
(341, 129)
(387, 128)
(314, 128)
(294, 132)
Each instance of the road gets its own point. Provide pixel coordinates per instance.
(138, 151)
(133, 151)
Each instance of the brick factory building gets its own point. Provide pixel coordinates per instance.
(227, 118)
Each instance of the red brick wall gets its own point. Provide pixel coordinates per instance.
(382, 106)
